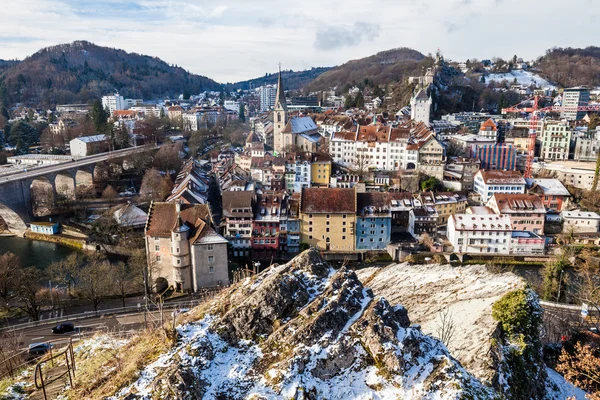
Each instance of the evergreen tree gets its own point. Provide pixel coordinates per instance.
(99, 117)
(222, 97)
(360, 100)
(4, 111)
(241, 113)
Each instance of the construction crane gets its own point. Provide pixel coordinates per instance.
(533, 124)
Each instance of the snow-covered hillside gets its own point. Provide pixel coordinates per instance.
(304, 330)
(466, 294)
(523, 78)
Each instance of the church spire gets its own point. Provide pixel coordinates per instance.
(280, 102)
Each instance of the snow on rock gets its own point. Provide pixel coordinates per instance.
(558, 389)
(305, 332)
(523, 78)
(466, 293)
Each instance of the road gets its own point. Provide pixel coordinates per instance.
(115, 322)
(82, 162)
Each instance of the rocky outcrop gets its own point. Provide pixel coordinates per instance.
(304, 330)
(464, 295)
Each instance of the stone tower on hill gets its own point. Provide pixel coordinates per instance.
(420, 107)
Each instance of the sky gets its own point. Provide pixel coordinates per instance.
(233, 40)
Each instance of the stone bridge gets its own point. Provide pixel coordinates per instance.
(15, 189)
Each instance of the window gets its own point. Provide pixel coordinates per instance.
(178, 250)
(344, 216)
(327, 216)
(211, 259)
(157, 247)
(326, 229)
(211, 269)
(210, 247)
(178, 261)
(343, 237)
(158, 258)
(310, 229)
(309, 237)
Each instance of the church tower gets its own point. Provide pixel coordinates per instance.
(280, 116)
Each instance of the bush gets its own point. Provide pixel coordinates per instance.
(518, 350)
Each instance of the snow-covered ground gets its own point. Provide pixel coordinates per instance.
(523, 78)
(466, 293)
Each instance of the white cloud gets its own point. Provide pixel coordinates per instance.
(236, 39)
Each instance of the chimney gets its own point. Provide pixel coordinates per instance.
(178, 207)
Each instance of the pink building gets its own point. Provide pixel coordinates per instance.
(526, 211)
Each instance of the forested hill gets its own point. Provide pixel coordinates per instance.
(293, 79)
(571, 67)
(382, 68)
(81, 71)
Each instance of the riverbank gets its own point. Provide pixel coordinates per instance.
(65, 240)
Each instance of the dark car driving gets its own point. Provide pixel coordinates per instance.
(63, 328)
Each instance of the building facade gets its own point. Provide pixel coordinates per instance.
(183, 249)
(328, 218)
(489, 182)
(573, 98)
(526, 211)
(477, 233)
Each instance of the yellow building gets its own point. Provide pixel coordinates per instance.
(446, 204)
(321, 169)
(328, 218)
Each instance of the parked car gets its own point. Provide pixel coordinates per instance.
(63, 328)
(37, 349)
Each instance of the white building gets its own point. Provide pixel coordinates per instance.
(114, 102)
(572, 99)
(385, 148)
(489, 182)
(231, 105)
(478, 233)
(149, 109)
(578, 174)
(580, 221)
(556, 140)
(587, 148)
(192, 121)
(268, 94)
(420, 106)
(88, 145)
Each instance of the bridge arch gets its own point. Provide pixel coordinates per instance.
(65, 186)
(43, 195)
(14, 222)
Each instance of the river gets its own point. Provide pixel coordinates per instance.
(33, 252)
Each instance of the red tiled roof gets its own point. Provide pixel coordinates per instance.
(509, 203)
(345, 135)
(328, 200)
(162, 217)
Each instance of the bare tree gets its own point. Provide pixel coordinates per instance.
(361, 164)
(155, 186)
(9, 266)
(122, 278)
(446, 327)
(95, 281)
(67, 270)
